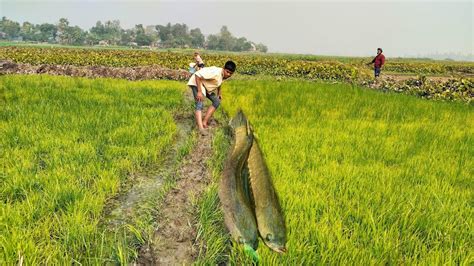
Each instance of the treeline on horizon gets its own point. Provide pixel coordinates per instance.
(111, 33)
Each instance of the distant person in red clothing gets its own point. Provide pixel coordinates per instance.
(378, 62)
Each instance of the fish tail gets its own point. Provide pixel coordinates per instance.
(238, 120)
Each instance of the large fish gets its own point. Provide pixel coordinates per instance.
(268, 212)
(238, 213)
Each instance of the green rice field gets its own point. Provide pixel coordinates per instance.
(364, 177)
(67, 146)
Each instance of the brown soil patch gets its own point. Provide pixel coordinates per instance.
(401, 78)
(130, 73)
(174, 241)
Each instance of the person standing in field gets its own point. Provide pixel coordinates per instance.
(378, 62)
(207, 82)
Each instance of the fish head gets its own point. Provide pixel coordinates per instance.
(276, 242)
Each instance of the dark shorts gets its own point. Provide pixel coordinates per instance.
(211, 96)
(377, 71)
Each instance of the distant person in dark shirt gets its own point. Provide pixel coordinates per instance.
(378, 62)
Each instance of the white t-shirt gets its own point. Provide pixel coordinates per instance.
(211, 78)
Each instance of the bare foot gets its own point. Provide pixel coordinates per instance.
(204, 124)
(203, 132)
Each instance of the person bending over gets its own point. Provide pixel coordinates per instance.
(207, 82)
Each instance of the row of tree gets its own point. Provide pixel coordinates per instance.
(111, 33)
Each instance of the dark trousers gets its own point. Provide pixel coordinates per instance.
(211, 96)
(377, 71)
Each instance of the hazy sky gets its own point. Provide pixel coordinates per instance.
(315, 27)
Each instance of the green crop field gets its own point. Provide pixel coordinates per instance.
(68, 146)
(364, 177)
(440, 80)
(301, 66)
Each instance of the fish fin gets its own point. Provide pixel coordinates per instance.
(250, 134)
(249, 128)
(246, 180)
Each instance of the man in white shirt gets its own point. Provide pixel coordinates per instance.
(207, 81)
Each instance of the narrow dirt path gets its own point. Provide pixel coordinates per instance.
(173, 242)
